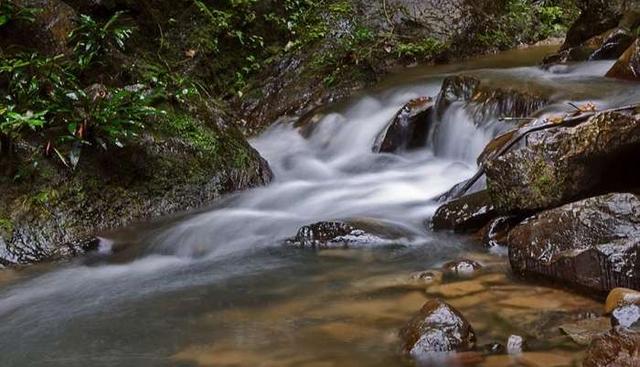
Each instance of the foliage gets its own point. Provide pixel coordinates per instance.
(49, 96)
(9, 11)
(424, 48)
(92, 40)
(527, 21)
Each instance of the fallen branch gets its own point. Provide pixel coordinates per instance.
(569, 121)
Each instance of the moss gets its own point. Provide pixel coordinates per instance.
(6, 227)
(191, 130)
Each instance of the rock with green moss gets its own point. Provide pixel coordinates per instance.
(184, 164)
(560, 165)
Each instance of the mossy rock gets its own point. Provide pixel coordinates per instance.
(560, 165)
(185, 164)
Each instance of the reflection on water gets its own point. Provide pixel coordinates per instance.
(216, 288)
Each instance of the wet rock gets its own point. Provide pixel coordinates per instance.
(573, 54)
(584, 331)
(564, 164)
(497, 143)
(493, 349)
(409, 128)
(484, 100)
(461, 268)
(49, 33)
(628, 65)
(495, 233)
(621, 297)
(626, 316)
(515, 344)
(427, 277)
(596, 17)
(592, 244)
(465, 214)
(613, 46)
(618, 348)
(437, 329)
(345, 234)
(110, 190)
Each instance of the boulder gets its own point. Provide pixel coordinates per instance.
(621, 297)
(436, 330)
(573, 54)
(626, 316)
(613, 46)
(347, 233)
(593, 244)
(618, 348)
(409, 128)
(485, 100)
(628, 65)
(596, 17)
(559, 165)
(466, 214)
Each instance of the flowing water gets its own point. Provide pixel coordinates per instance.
(217, 288)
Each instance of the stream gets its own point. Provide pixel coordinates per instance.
(216, 287)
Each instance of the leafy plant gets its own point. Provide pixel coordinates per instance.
(93, 40)
(46, 95)
(10, 11)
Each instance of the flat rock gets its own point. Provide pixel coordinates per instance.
(584, 331)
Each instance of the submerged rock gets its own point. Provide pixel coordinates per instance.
(345, 234)
(463, 268)
(564, 164)
(583, 332)
(409, 128)
(593, 244)
(628, 65)
(618, 348)
(466, 214)
(436, 330)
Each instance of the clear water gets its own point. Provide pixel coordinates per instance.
(216, 287)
